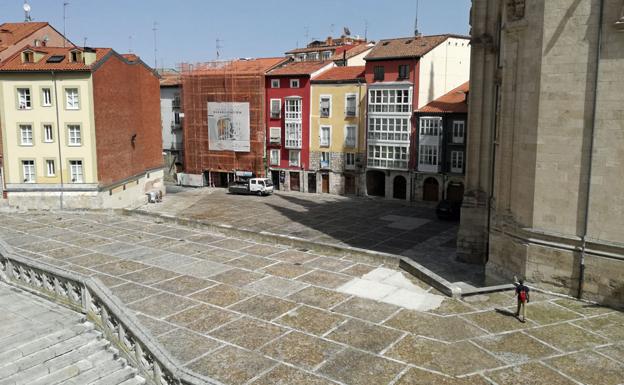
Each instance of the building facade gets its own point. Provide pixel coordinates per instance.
(70, 139)
(171, 116)
(403, 75)
(288, 123)
(544, 190)
(338, 126)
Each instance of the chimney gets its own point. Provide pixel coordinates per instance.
(330, 41)
(88, 55)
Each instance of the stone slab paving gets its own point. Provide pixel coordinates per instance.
(260, 314)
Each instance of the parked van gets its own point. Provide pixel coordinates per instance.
(258, 186)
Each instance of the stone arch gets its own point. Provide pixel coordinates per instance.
(431, 189)
(376, 183)
(399, 187)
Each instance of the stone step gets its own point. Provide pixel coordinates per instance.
(23, 348)
(104, 363)
(17, 333)
(63, 374)
(136, 380)
(118, 377)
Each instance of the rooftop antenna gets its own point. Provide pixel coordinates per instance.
(130, 44)
(154, 30)
(26, 8)
(84, 42)
(65, 4)
(331, 29)
(307, 34)
(416, 32)
(365, 30)
(218, 46)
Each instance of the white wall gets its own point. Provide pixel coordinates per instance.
(444, 68)
(171, 139)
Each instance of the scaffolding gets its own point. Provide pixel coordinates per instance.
(223, 81)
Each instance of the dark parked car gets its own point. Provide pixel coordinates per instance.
(447, 210)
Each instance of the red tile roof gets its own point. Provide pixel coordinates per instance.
(407, 47)
(455, 101)
(299, 68)
(169, 78)
(341, 74)
(240, 66)
(14, 63)
(12, 33)
(351, 51)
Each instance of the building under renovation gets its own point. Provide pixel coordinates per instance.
(223, 124)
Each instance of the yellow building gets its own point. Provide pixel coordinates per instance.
(337, 131)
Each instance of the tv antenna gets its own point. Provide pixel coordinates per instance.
(154, 30)
(307, 35)
(65, 4)
(84, 42)
(26, 8)
(218, 46)
(416, 32)
(365, 30)
(130, 44)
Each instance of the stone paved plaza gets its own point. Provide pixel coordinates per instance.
(248, 313)
(394, 227)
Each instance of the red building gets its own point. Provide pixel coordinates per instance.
(288, 121)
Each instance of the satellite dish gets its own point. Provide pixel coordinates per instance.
(26, 7)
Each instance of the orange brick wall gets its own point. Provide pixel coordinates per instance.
(127, 102)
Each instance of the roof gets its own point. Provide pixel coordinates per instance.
(407, 47)
(239, 66)
(12, 33)
(351, 51)
(456, 101)
(341, 74)
(14, 63)
(299, 68)
(169, 77)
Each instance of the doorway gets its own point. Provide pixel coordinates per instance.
(294, 181)
(376, 183)
(312, 183)
(325, 183)
(275, 179)
(399, 188)
(430, 190)
(349, 185)
(455, 192)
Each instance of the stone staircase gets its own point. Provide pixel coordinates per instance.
(45, 344)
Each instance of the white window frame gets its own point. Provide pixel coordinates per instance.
(349, 160)
(388, 156)
(275, 83)
(295, 83)
(390, 100)
(73, 139)
(76, 177)
(325, 160)
(327, 55)
(429, 155)
(355, 98)
(329, 108)
(459, 131)
(275, 157)
(24, 98)
(48, 138)
(27, 135)
(279, 110)
(50, 167)
(457, 161)
(430, 126)
(297, 161)
(46, 97)
(355, 136)
(275, 135)
(293, 109)
(322, 142)
(29, 173)
(392, 129)
(72, 101)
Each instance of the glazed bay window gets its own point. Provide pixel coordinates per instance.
(48, 133)
(428, 158)
(275, 135)
(28, 171)
(276, 108)
(384, 100)
(349, 160)
(459, 130)
(293, 109)
(275, 157)
(431, 126)
(74, 135)
(75, 171)
(24, 101)
(46, 97)
(391, 129)
(388, 157)
(293, 135)
(72, 99)
(293, 114)
(351, 105)
(26, 134)
(325, 106)
(325, 136)
(294, 158)
(457, 161)
(350, 136)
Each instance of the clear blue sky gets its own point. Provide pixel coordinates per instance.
(187, 29)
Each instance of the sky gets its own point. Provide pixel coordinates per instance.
(187, 30)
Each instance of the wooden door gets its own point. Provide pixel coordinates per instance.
(349, 185)
(294, 181)
(325, 183)
(430, 190)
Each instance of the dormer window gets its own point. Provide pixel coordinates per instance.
(28, 57)
(75, 56)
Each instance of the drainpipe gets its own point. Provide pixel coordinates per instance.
(58, 137)
(592, 129)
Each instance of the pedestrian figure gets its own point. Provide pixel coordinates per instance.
(522, 293)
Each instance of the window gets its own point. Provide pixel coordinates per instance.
(74, 56)
(28, 171)
(389, 157)
(293, 135)
(23, 99)
(327, 55)
(28, 57)
(428, 155)
(75, 171)
(48, 133)
(349, 160)
(276, 108)
(350, 136)
(275, 83)
(293, 123)
(46, 97)
(324, 160)
(431, 126)
(457, 161)
(26, 134)
(351, 105)
(294, 83)
(389, 100)
(275, 135)
(390, 129)
(72, 100)
(378, 73)
(74, 135)
(313, 56)
(325, 138)
(293, 109)
(176, 118)
(325, 106)
(459, 128)
(404, 71)
(50, 168)
(293, 157)
(275, 157)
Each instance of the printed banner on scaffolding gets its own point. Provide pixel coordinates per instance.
(228, 127)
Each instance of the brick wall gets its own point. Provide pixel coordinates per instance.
(127, 103)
